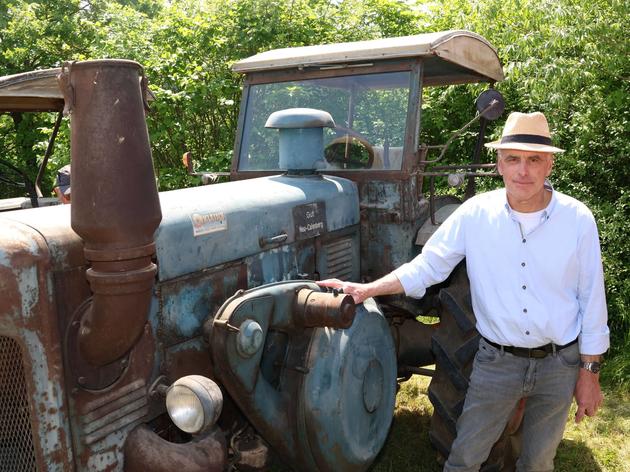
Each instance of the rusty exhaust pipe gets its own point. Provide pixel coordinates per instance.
(115, 205)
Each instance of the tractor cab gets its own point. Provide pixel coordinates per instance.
(28, 92)
(373, 91)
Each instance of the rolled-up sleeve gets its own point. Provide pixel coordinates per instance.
(442, 252)
(594, 335)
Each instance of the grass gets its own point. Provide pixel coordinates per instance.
(599, 444)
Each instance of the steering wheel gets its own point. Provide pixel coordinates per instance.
(346, 138)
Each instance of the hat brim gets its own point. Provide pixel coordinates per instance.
(523, 146)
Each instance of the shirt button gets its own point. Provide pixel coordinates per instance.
(524, 240)
(524, 287)
(527, 333)
(522, 264)
(524, 310)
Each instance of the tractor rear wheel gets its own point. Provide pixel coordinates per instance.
(454, 344)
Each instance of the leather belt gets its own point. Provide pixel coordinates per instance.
(535, 352)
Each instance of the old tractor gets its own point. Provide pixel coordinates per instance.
(183, 330)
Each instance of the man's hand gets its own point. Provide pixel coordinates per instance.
(387, 285)
(588, 394)
(359, 292)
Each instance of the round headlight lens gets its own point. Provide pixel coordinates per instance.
(194, 403)
(184, 408)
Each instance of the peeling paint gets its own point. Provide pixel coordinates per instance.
(28, 285)
(47, 397)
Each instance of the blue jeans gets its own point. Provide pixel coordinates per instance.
(498, 381)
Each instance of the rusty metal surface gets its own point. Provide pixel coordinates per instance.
(272, 412)
(186, 302)
(53, 223)
(390, 218)
(285, 387)
(84, 374)
(115, 205)
(27, 316)
(101, 419)
(187, 358)
(319, 309)
(146, 451)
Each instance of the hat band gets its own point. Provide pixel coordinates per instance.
(526, 138)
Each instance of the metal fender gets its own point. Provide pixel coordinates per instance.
(315, 376)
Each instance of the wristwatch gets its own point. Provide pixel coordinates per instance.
(591, 366)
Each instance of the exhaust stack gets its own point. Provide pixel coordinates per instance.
(115, 205)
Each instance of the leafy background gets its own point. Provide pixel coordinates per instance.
(567, 58)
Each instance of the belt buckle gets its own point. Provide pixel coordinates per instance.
(537, 353)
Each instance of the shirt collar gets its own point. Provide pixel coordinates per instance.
(547, 211)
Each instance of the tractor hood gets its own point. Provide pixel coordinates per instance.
(212, 225)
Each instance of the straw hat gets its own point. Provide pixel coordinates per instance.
(525, 132)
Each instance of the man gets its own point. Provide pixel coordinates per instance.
(533, 260)
(62, 189)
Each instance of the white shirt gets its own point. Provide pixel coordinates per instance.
(528, 289)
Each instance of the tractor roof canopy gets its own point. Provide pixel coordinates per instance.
(449, 57)
(31, 91)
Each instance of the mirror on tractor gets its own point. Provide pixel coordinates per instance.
(207, 178)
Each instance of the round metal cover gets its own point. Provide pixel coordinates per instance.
(300, 118)
(350, 391)
(485, 99)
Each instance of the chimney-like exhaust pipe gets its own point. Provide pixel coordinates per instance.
(115, 205)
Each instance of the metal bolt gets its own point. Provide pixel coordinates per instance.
(81, 380)
(249, 339)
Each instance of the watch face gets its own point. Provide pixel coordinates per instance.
(591, 366)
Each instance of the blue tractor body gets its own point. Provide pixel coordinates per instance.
(184, 330)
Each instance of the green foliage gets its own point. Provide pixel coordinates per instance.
(568, 59)
(35, 35)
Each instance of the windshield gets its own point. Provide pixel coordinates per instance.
(369, 110)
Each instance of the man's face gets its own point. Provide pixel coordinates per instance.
(524, 174)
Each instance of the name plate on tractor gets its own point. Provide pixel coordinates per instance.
(208, 222)
(310, 220)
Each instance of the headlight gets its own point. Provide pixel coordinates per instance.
(194, 403)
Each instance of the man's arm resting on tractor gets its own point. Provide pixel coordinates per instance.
(387, 285)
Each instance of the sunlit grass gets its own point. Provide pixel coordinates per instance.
(599, 444)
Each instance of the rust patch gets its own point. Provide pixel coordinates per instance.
(28, 315)
(187, 361)
(145, 450)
